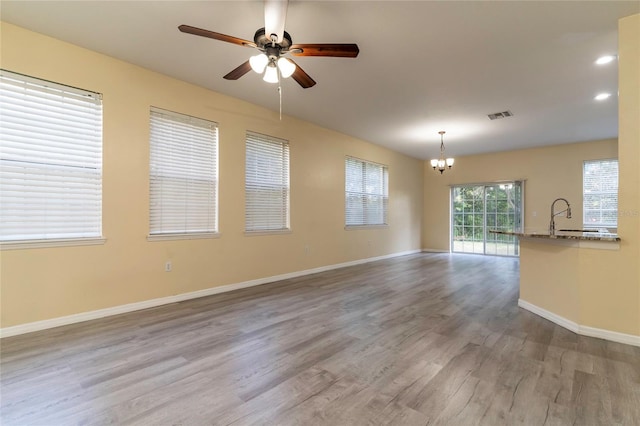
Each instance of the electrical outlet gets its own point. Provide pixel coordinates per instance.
(307, 249)
(168, 266)
(534, 214)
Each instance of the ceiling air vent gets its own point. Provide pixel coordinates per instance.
(497, 115)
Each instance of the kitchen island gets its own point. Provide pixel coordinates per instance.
(559, 273)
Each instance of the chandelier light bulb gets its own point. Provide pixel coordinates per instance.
(286, 67)
(258, 62)
(450, 162)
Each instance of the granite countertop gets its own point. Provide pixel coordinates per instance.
(564, 235)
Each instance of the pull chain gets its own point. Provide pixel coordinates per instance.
(280, 95)
(280, 91)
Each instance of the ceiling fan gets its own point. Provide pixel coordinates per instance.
(274, 43)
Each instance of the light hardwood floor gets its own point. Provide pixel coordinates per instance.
(416, 340)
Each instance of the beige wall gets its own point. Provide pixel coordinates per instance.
(39, 284)
(549, 173)
(628, 263)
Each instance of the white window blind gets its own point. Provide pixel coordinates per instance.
(183, 174)
(600, 193)
(266, 183)
(367, 193)
(50, 160)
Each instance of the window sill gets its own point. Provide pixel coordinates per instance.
(60, 242)
(272, 232)
(357, 227)
(193, 236)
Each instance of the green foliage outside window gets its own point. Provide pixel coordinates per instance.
(477, 209)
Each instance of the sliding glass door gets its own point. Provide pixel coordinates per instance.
(479, 208)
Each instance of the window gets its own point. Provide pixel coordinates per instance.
(183, 176)
(600, 193)
(50, 161)
(366, 194)
(266, 183)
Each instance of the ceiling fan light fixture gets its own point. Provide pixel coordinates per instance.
(273, 42)
(271, 74)
(286, 67)
(258, 62)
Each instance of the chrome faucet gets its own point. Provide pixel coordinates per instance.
(552, 223)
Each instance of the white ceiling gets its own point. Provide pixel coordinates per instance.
(424, 66)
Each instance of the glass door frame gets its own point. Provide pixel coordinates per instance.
(485, 226)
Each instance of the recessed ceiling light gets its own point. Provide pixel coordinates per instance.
(602, 96)
(605, 59)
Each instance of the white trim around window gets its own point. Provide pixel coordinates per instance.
(266, 185)
(183, 177)
(366, 194)
(600, 193)
(50, 164)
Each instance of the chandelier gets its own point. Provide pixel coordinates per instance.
(442, 163)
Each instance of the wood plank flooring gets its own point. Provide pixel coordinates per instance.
(432, 339)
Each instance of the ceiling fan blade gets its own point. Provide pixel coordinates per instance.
(345, 50)
(217, 36)
(302, 78)
(275, 15)
(238, 72)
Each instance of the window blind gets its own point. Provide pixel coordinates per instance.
(367, 193)
(50, 160)
(266, 183)
(600, 193)
(183, 174)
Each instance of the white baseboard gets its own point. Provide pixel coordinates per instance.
(428, 250)
(614, 336)
(145, 304)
